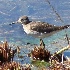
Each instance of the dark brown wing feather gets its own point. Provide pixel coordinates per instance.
(44, 27)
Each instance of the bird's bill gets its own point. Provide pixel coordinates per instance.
(16, 22)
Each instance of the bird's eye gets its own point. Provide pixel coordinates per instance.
(22, 19)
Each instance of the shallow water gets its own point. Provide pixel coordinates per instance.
(40, 10)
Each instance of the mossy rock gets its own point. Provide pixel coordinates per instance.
(40, 64)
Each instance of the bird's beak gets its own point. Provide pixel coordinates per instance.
(13, 23)
(18, 21)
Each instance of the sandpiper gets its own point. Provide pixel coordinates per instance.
(38, 28)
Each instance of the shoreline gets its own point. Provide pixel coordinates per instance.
(9, 63)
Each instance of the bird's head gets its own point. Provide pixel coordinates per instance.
(23, 20)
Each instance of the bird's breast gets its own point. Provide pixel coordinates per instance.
(28, 30)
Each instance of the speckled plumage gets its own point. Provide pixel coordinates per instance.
(39, 29)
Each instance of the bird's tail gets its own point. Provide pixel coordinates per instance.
(66, 26)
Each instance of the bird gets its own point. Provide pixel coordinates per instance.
(39, 29)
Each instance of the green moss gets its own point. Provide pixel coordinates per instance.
(39, 63)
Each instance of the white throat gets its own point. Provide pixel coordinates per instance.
(27, 29)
